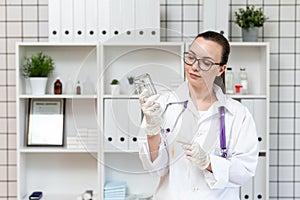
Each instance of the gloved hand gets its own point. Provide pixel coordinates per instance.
(196, 155)
(152, 111)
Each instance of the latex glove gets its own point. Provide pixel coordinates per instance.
(152, 111)
(196, 155)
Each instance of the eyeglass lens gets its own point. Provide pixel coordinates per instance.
(203, 64)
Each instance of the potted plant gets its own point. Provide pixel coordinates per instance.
(250, 20)
(37, 68)
(115, 87)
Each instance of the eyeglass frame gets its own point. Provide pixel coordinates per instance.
(198, 59)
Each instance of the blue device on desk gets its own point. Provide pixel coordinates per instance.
(36, 195)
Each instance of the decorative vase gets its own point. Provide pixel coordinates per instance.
(115, 90)
(38, 85)
(250, 34)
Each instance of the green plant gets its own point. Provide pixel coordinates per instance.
(38, 65)
(114, 82)
(130, 79)
(250, 17)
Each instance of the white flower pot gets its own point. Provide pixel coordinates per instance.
(38, 85)
(115, 90)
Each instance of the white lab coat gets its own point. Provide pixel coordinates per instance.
(179, 178)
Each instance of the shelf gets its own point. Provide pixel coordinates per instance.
(61, 196)
(108, 96)
(120, 151)
(56, 44)
(55, 150)
(143, 44)
(59, 96)
(249, 44)
(234, 96)
(248, 96)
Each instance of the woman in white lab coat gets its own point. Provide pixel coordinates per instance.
(184, 143)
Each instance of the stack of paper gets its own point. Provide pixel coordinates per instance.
(84, 139)
(115, 190)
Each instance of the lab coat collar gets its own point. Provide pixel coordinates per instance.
(182, 94)
(222, 98)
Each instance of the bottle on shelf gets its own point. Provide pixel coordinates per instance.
(78, 88)
(229, 78)
(243, 78)
(58, 86)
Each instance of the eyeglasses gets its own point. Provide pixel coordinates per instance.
(203, 64)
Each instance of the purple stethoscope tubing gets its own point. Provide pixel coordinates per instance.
(222, 126)
(222, 133)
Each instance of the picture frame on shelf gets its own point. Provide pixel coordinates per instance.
(45, 122)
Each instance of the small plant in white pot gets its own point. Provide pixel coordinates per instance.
(250, 20)
(115, 87)
(37, 68)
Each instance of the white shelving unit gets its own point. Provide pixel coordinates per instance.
(255, 58)
(68, 171)
(122, 116)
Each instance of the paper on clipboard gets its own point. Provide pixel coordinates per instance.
(210, 140)
(212, 136)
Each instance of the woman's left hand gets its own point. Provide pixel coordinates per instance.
(196, 155)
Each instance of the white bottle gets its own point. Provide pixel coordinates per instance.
(229, 78)
(243, 80)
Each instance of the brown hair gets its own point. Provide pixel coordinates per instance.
(221, 40)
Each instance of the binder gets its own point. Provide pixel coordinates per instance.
(103, 20)
(134, 121)
(247, 190)
(115, 19)
(116, 125)
(66, 20)
(128, 20)
(222, 14)
(259, 114)
(257, 108)
(259, 191)
(110, 130)
(147, 22)
(54, 11)
(79, 20)
(121, 121)
(91, 11)
(215, 16)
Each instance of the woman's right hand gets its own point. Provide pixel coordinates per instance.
(152, 111)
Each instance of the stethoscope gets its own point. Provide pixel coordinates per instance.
(223, 147)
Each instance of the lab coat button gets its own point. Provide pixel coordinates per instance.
(195, 189)
(199, 133)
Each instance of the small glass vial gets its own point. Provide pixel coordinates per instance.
(229, 77)
(243, 80)
(58, 86)
(144, 81)
(78, 88)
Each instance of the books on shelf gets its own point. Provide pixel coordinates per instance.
(115, 190)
